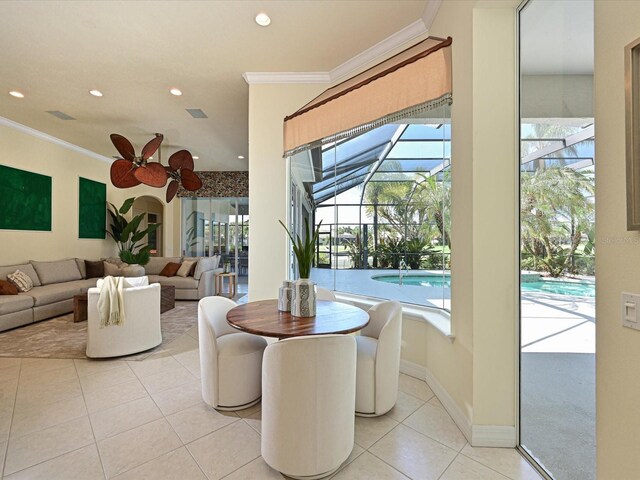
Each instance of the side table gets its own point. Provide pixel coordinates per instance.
(167, 297)
(80, 307)
(233, 284)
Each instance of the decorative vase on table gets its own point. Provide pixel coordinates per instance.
(303, 301)
(285, 295)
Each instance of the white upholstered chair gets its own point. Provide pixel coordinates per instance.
(308, 396)
(141, 328)
(379, 360)
(325, 294)
(230, 360)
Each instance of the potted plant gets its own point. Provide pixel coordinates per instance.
(303, 301)
(128, 236)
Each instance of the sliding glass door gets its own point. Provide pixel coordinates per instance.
(557, 250)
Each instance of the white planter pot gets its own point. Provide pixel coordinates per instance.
(303, 302)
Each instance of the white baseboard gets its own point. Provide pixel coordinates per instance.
(476, 435)
(413, 369)
(493, 436)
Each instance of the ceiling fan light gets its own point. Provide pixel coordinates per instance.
(95, 93)
(17, 94)
(175, 91)
(263, 19)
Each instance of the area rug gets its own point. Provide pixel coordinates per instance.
(60, 337)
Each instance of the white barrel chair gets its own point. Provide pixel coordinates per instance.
(308, 397)
(325, 294)
(378, 365)
(141, 328)
(230, 360)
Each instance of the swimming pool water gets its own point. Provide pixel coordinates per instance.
(581, 289)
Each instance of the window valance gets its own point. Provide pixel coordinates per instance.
(414, 80)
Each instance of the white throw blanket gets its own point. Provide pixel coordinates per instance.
(111, 301)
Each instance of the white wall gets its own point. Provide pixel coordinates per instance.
(27, 152)
(617, 23)
(268, 105)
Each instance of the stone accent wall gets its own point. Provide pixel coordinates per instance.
(220, 184)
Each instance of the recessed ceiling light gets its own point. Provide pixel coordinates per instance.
(176, 92)
(17, 94)
(95, 93)
(241, 157)
(263, 19)
(195, 157)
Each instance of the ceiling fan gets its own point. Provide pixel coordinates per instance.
(132, 170)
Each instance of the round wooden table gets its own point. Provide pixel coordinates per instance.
(264, 318)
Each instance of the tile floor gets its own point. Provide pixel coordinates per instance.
(83, 419)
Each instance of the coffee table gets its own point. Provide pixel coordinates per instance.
(264, 318)
(80, 307)
(167, 297)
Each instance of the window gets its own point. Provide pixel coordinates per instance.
(382, 199)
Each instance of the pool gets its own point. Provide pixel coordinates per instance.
(417, 280)
(580, 289)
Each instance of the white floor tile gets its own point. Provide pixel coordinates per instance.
(167, 379)
(179, 398)
(507, 461)
(198, 421)
(369, 467)
(224, 451)
(89, 366)
(413, 454)
(257, 469)
(153, 364)
(371, 429)
(405, 406)
(121, 418)
(414, 387)
(132, 448)
(114, 395)
(46, 444)
(436, 423)
(82, 464)
(463, 468)
(175, 465)
(113, 376)
(38, 418)
(41, 394)
(48, 377)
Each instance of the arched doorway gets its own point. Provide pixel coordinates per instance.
(153, 211)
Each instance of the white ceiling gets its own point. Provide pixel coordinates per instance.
(135, 51)
(557, 37)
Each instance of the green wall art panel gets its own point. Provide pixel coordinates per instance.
(25, 200)
(92, 205)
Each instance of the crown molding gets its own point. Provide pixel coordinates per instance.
(257, 78)
(380, 49)
(51, 139)
(430, 12)
(350, 67)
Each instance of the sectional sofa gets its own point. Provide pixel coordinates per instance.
(56, 283)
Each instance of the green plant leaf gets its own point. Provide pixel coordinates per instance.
(126, 206)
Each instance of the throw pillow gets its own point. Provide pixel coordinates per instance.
(7, 288)
(170, 269)
(94, 269)
(186, 268)
(21, 280)
(111, 269)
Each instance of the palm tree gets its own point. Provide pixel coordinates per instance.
(555, 212)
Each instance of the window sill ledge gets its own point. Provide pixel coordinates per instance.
(438, 319)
